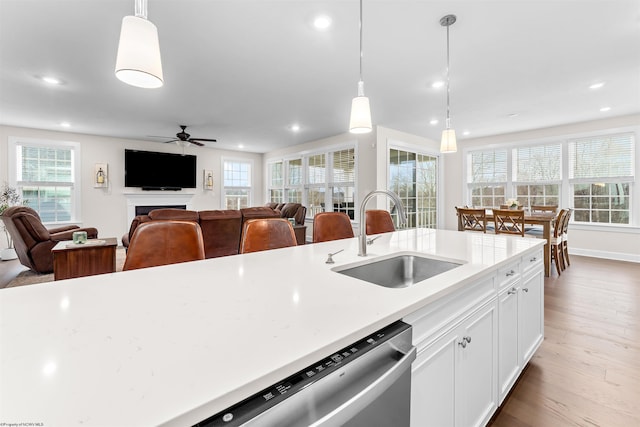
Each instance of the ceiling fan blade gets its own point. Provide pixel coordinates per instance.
(202, 139)
(172, 140)
(199, 144)
(160, 136)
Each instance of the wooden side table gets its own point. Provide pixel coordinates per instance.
(301, 234)
(97, 256)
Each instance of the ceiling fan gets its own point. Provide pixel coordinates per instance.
(183, 138)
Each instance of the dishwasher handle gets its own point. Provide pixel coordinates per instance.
(357, 403)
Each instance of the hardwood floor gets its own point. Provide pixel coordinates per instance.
(587, 371)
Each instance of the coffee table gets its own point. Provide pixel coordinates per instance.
(96, 256)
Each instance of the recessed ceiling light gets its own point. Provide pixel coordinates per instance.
(51, 80)
(466, 132)
(512, 115)
(295, 127)
(240, 145)
(433, 122)
(603, 109)
(437, 85)
(322, 22)
(65, 124)
(596, 85)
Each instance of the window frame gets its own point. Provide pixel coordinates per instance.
(76, 168)
(224, 188)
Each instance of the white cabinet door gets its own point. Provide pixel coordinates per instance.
(508, 350)
(433, 383)
(531, 316)
(476, 373)
(454, 378)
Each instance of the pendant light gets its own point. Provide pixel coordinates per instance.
(138, 62)
(448, 141)
(360, 121)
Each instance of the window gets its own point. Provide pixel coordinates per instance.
(413, 177)
(46, 174)
(537, 174)
(237, 184)
(320, 181)
(601, 173)
(316, 180)
(487, 177)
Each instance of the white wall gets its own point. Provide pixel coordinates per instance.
(621, 243)
(105, 208)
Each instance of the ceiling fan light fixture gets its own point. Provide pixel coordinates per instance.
(138, 62)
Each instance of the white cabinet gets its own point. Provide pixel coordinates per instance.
(454, 377)
(520, 321)
(473, 344)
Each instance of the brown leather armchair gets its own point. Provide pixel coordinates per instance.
(33, 241)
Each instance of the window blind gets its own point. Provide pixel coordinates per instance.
(487, 166)
(343, 166)
(537, 163)
(609, 156)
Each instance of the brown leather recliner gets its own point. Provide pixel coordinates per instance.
(33, 241)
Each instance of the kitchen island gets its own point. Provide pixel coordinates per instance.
(173, 345)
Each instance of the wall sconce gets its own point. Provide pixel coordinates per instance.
(101, 175)
(208, 180)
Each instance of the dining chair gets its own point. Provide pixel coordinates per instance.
(556, 242)
(565, 238)
(266, 233)
(331, 226)
(164, 242)
(544, 208)
(470, 219)
(509, 221)
(379, 221)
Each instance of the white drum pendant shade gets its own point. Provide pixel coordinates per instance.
(138, 62)
(360, 121)
(448, 142)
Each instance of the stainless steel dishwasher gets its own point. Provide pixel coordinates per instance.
(365, 384)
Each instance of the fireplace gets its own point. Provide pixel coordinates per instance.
(144, 210)
(143, 203)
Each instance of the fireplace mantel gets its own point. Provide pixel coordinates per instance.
(155, 198)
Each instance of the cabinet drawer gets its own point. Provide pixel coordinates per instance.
(507, 275)
(532, 260)
(433, 317)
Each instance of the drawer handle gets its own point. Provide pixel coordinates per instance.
(534, 259)
(511, 273)
(512, 291)
(525, 289)
(467, 339)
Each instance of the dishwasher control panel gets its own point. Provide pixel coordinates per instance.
(271, 396)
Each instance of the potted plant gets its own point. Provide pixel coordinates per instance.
(9, 196)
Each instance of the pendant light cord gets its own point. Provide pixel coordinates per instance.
(361, 40)
(141, 8)
(448, 122)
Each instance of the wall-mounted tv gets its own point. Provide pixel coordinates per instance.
(159, 171)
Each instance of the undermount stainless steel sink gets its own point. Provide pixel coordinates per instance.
(399, 271)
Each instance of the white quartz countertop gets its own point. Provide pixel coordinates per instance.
(174, 345)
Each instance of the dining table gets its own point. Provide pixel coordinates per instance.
(546, 220)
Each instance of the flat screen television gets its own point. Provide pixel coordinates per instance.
(159, 171)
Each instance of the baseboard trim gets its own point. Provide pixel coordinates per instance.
(618, 256)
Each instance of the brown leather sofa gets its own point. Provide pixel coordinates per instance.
(290, 210)
(33, 241)
(221, 229)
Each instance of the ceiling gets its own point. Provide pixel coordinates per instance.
(245, 71)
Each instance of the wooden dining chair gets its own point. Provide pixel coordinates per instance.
(379, 221)
(331, 226)
(266, 233)
(565, 238)
(470, 219)
(164, 242)
(509, 221)
(555, 243)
